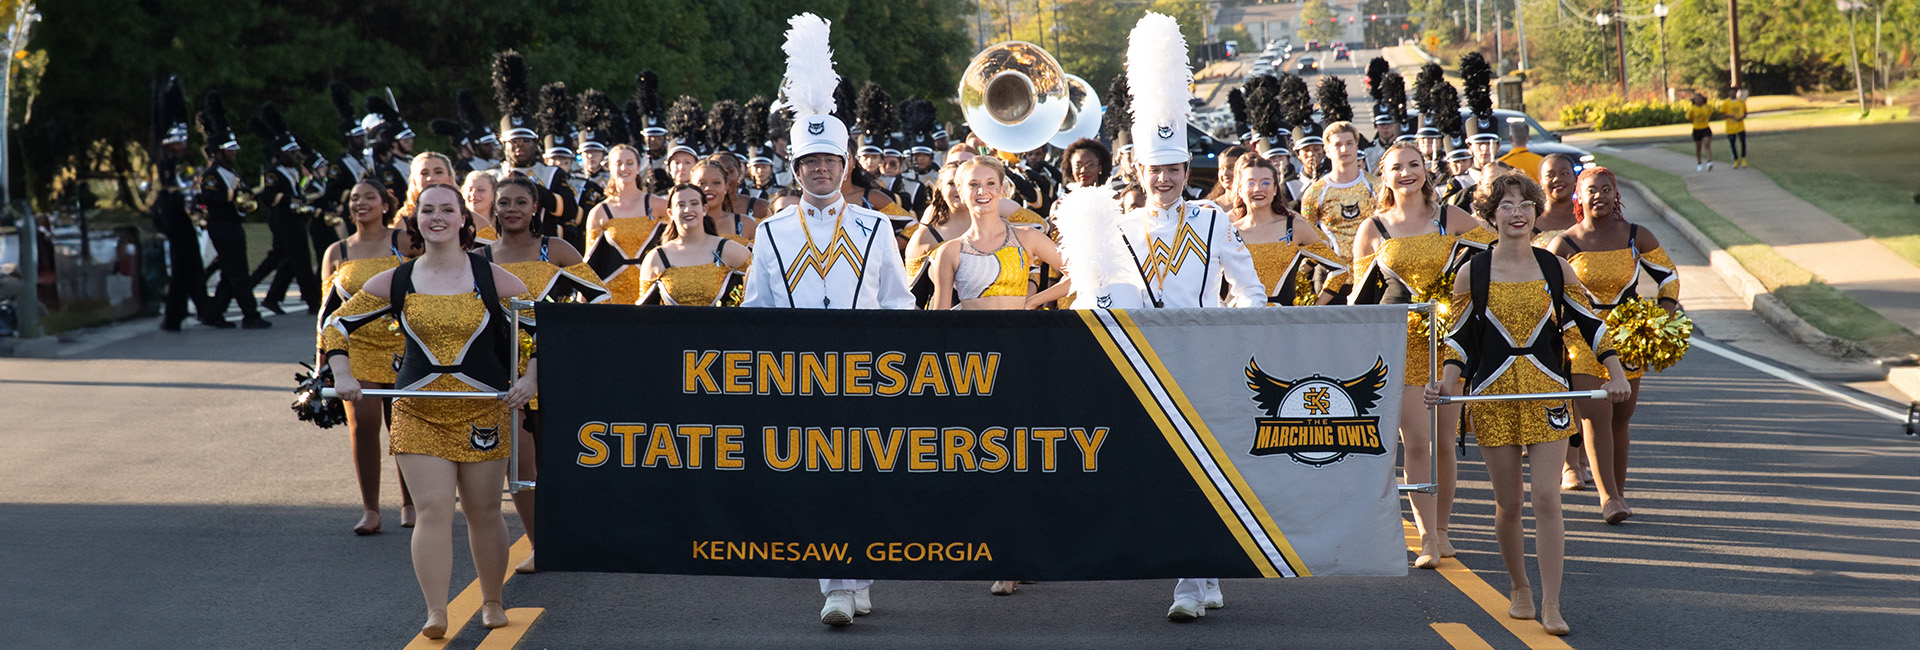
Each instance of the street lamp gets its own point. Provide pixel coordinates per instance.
(1660, 11)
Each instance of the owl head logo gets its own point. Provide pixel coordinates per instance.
(483, 439)
(817, 127)
(1165, 132)
(1349, 212)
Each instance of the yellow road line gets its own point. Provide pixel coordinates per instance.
(519, 619)
(1488, 598)
(465, 605)
(1461, 637)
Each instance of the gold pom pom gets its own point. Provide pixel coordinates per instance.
(1646, 336)
(1440, 293)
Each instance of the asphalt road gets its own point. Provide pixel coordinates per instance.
(156, 493)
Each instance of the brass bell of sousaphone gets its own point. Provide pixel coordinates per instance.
(1083, 113)
(1014, 96)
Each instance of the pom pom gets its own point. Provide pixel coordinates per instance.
(1646, 336)
(309, 406)
(1091, 248)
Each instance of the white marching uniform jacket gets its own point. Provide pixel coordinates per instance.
(1186, 251)
(838, 257)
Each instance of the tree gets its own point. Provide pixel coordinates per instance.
(1317, 22)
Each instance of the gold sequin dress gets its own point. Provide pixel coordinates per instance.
(1612, 277)
(1286, 271)
(617, 250)
(1521, 313)
(700, 285)
(1337, 209)
(1407, 270)
(451, 332)
(376, 349)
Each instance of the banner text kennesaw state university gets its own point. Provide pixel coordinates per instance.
(855, 447)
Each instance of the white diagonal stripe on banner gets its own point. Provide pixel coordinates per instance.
(1194, 445)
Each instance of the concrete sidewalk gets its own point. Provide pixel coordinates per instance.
(1801, 232)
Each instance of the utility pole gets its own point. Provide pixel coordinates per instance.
(1499, 47)
(1520, 26)
(1620, 43)
(1733, 38)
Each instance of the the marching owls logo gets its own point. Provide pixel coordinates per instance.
(1349, 212)
(483, 439)
(817, 127)
(1165, 132)
(1318, 420)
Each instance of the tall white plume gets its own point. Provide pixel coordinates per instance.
(1094, 255)
(810, 77)
(1158, 76)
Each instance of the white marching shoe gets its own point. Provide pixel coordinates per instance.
(863, 601)
(839, 608)
(1185, 609)
(1212, 598)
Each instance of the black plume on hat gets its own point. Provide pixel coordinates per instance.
(1332, 95)
(726, 126)
(451, 130)
(1237, 105)
(1119, 117)
(212, 121)
(343, 105)
(468, 109)
(600, 120)
(556, 111)
(845, 106)
(1445, 109)
(687, 124)
(756, 116)
(653, 111)
(170, 124)
(511, 95)
(876, 110)
(1376, 69)
(1423, 83)
(1393, 93)
(1296, 105)
(1264, 113)
(1476, 79)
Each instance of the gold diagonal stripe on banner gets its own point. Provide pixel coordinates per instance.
(1237, 483)
(1160, 418)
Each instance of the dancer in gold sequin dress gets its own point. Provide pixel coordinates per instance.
(990, 266)
(1610, 254)
(946, 218)
(1402, 255)
(347, 266)
(449, 304)
(1520, 310)
(693, 266)
(624, 227)
(1286, 251)
(477, 191)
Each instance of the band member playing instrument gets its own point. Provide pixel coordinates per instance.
(693, 265)
(825, 252)
(1403, 253)
(1609, 254)
(1519, 311)
(552, 270)
(989, 277)
(373, 247)
(450, 305)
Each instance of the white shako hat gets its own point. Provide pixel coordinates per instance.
(809, 87)
(1159, 81)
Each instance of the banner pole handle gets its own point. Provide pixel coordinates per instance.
(514, 484)
(1433, 412)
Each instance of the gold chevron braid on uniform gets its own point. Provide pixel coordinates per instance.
(821, 262)
(1164, 260)
(1220, 457)
(1179, 447)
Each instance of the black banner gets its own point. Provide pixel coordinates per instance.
(863, 444)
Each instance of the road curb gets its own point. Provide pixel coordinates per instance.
(1752, 292)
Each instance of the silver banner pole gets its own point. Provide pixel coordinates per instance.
(433, 394)
(1525, 397)
(514, 484)
(1433, 412)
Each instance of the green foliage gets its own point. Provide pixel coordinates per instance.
(1636, 114)
(1322, 28)
(1092, 38)
(104, 56)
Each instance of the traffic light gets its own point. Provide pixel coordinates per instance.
(1309, 21)
(1373, 17)
(1349, 20)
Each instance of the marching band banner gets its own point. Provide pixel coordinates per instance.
(989, 445)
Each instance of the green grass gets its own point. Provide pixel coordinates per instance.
(1865, 176)
(1823, 306)
(1780, 121)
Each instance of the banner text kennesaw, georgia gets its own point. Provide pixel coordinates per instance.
(838, 449)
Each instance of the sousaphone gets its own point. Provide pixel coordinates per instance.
(1014, 95)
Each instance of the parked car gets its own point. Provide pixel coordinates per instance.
(1306, 66)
